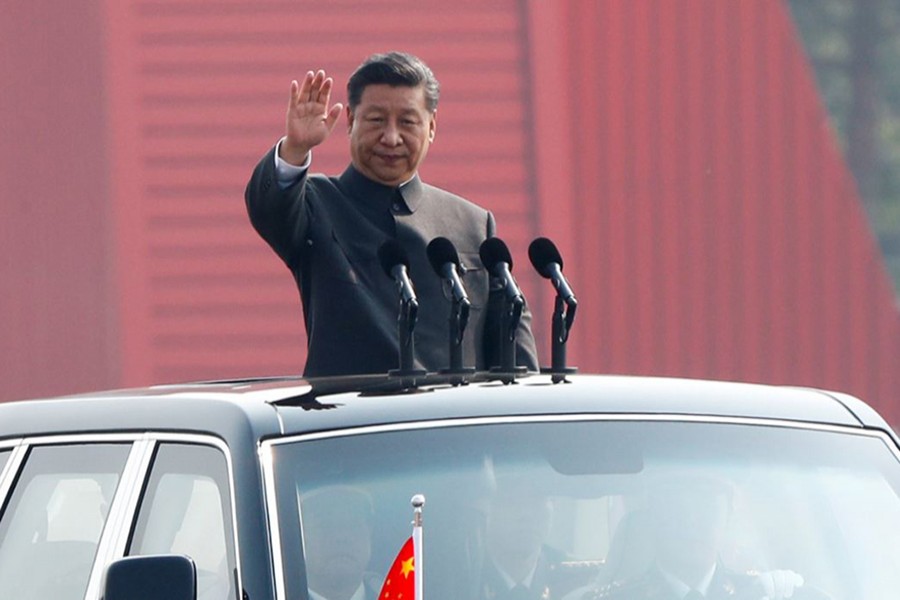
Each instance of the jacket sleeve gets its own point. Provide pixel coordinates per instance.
(280, 216)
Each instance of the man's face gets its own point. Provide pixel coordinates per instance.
(337, 550)
(390, 131)
(690, 525)
(519, 523)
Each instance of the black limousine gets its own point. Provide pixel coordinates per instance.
(601, 486)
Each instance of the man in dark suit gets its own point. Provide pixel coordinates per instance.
(337, 536)
(519, 563)
(328, 230)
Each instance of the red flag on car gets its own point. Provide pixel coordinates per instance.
(404, 580)
(400, 581)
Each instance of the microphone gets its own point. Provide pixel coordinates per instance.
(395, 263)
(548, 262)
(498, 261)
(445, 262)
(444, 259)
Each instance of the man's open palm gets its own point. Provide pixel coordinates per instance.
(310, 119)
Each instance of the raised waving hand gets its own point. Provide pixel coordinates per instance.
(310, 119)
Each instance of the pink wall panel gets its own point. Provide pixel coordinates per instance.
(676, 152)
(717, 229)
(57, 311)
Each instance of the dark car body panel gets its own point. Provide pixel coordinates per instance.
(244, 415)
(260, 409)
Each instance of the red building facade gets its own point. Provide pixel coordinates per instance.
(677, 152)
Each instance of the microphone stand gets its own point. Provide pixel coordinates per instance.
(563, 316)
(509, 325)
(406, 325)
(459, 318)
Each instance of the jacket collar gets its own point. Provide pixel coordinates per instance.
(362, 188)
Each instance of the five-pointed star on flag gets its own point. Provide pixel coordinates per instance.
(408, 566)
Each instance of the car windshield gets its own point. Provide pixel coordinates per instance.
(576, 508)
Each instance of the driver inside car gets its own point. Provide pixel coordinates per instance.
(688, 516)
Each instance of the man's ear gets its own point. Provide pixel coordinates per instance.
(349, 119)
(432, 126)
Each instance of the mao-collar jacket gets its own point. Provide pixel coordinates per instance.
(328, 230)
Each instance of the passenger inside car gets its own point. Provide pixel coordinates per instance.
(522, 562)
(518, 560)
(337, 535)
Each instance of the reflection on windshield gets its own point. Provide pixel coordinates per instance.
(588, 510)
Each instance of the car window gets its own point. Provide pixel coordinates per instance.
(187, 510)
(579, 508)
(52, 524)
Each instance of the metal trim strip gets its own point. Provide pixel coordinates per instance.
(268, 472)
(580, 417)
(114, 530)
(11, 469)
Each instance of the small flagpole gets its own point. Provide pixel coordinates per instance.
(418, 501)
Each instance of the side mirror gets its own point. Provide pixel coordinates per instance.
(161, 577)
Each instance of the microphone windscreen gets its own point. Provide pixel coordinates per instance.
(440, 252)
(493, 251)
(542, 252)
(392, 254)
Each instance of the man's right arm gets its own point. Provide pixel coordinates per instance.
(276, 191)
(275, 199)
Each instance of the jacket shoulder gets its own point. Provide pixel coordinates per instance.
(450, 200)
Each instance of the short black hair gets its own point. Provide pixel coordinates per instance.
(394, 69)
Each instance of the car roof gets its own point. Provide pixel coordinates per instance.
(278, 406)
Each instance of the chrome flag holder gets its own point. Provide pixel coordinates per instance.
(418, 502)
(397, 583)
